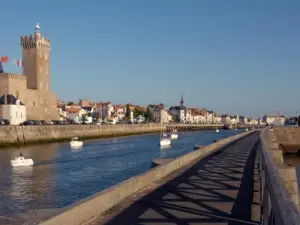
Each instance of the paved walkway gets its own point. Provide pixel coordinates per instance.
(218, 190)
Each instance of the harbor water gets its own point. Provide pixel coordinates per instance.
(62, 176)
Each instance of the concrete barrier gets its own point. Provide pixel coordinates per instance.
(20, 135)
(97, 204)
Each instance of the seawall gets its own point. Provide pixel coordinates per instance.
(23, 135)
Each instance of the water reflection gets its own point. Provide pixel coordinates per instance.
(62, 175)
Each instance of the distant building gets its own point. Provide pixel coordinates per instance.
(12, 109)
(85, 103)
(179, 112)
(276, 120)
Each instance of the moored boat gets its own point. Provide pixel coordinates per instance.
(75, 143)
(21, 161)
(174, 135)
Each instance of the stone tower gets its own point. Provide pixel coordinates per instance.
(36, 56)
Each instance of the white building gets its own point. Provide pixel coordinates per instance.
(89, 111)
(75, 114)
(119, 112)
(217, 119)
(12, 109)
(276, 120)
(225, 119)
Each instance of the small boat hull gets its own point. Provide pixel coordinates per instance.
(165, 142)
(217, 130)
(174, 136)
(76, 144)
(22, 162)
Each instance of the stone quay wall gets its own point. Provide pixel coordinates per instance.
(288, 139)
(99, 203)
(22, 135)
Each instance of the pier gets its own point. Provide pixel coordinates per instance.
(195, 127)
(238, 180)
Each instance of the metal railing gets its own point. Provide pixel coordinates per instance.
(277, 207)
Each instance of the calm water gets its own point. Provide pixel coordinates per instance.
(62, 176)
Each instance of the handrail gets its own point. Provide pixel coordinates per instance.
(277, 206)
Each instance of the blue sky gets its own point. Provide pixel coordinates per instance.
(237, 56)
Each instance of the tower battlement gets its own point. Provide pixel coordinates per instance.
(34, 41)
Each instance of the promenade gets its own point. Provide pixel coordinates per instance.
(215, 190)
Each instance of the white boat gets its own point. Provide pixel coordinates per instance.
(75, 143)
(164, 139)
(174, 135)
(165, 142)
(21, 161)
(217, 130)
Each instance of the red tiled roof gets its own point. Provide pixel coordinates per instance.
(73, 110)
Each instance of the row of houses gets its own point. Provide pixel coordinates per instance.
(160, 113)
(12, 109)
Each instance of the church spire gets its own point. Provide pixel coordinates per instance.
(181, 102)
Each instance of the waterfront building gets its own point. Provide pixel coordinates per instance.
(119, 112)
(75, 114)
(277, 120)
(12, 109)
(179, 112)
(105, 110)
(160, 114)
(33, 87)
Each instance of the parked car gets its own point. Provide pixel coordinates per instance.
(4, 122)
(28, 122)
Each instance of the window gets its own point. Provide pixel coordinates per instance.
(21, 115)
(33, 103)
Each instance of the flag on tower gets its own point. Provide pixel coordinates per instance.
(20, 62)
(4, 59)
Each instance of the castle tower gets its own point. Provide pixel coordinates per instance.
(36, 57)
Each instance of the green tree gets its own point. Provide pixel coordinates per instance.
(174, 118)
(97, 117)
(138, 111)
(149, 115)
(127, 115)
(83, 118)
